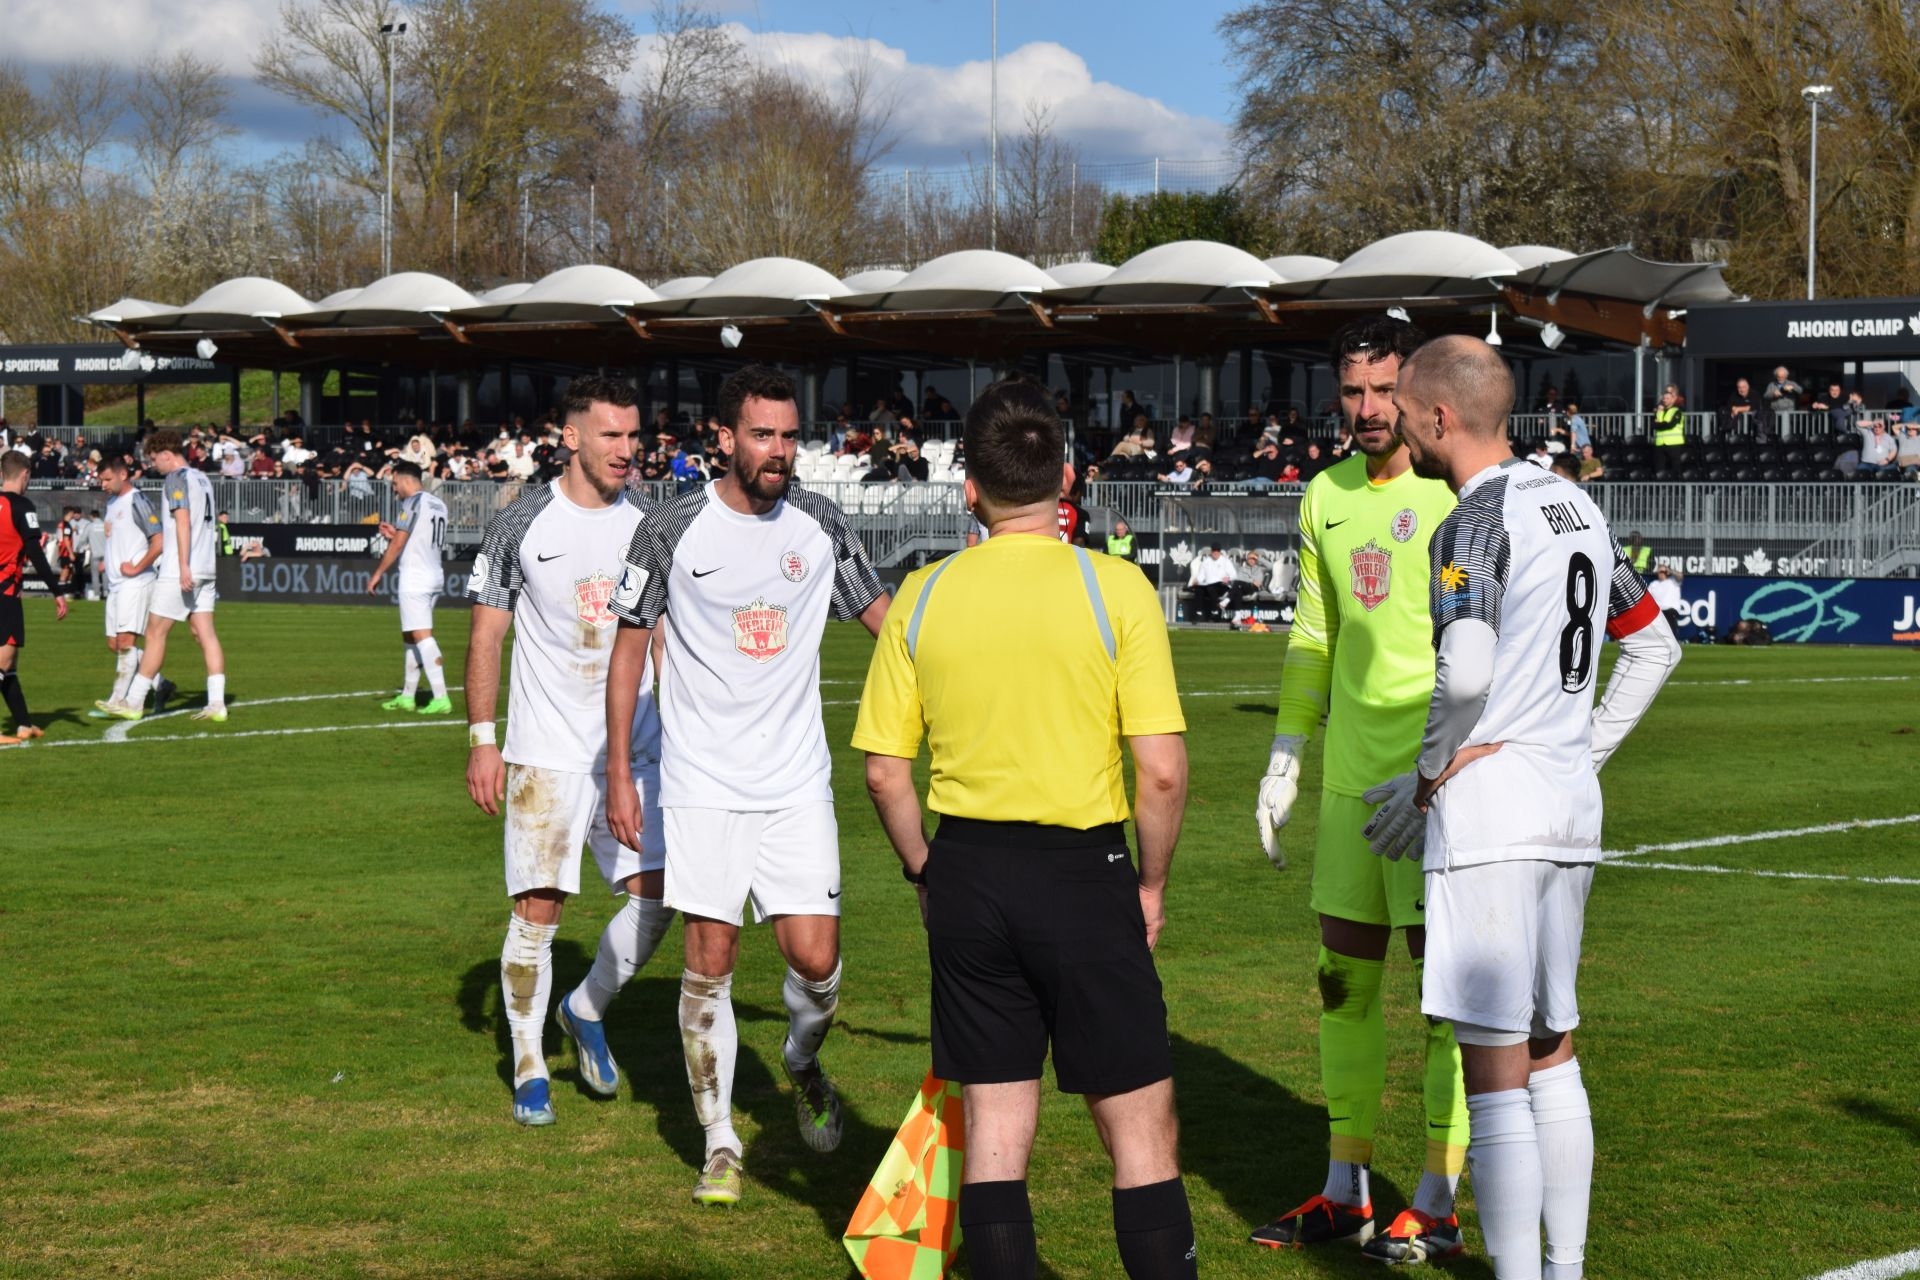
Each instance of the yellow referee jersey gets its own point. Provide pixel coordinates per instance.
(1023, 661)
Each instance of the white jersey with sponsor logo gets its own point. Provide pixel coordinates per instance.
(131, 522)
(1530, 556)
(423, 518)
(555, 565)
(189, 490)
(748, 597)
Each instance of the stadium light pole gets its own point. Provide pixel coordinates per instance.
(993, 133)
(388, 30)
(1813, 93)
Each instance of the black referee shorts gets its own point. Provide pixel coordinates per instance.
(1035, 934)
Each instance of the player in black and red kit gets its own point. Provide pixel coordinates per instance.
(20, 539)
(1071, 516)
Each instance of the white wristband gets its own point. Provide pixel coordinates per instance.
(480, 735)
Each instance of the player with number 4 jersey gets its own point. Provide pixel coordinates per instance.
(1504, 803)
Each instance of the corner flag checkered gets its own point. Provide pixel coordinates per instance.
(907, 1224)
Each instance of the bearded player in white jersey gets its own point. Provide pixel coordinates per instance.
(750, 566)
(134, 540)
(1505, 800)
(184, 590)
(414, 543)
(547, 567)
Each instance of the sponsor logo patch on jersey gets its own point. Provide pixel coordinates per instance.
(760, 630)
(1404, 523)
(794, 566)
(590, 597)
(1371, 570)
(1452, 577)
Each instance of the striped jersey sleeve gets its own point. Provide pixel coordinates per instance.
(856, 584)
(143, 514)
(409, 514)
(1629, 607)
(497, 578)
(641, 595)
(1472, 556)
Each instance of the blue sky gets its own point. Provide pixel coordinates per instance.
(1125, 79)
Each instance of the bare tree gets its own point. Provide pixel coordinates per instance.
(179, 107)
(81, 103)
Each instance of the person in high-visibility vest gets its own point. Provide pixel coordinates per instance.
(1669, 435)
(225, 535)
(1638, 553)
(1120, 541)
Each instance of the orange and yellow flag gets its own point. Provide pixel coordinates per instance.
(907, 1225)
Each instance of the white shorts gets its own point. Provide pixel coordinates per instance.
(127, 606)
(416, 610)
(786, 860)
(171, 603)
(551, 814)
(1503, 947)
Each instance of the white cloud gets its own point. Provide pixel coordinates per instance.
(132, 33)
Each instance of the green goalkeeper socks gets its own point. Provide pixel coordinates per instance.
(1353, 1052)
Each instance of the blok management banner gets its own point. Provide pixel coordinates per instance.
(325, 581)
(1882, 611)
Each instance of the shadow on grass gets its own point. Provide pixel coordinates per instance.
(1263, 1149)
(482, 1012)
(1257, 708)
(1878, 1113)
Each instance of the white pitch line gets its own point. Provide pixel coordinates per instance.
(1799, 680)
(1710, 869)
(1900, 1264)
(217, 736)
(118, 732)
(1755, 837)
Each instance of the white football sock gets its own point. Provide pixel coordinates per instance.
(526, 982)
(810, 1010)
(1436, 1194)
(1504, 1154)
(138, 690)
(1564, 1121)
(411, 685)
(1348, 1183)
(216, 691)
(126, 666)
(711, 1042)
(626, 944)
(436, 669)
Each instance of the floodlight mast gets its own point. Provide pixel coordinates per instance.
(388, 30)
(1813, 93)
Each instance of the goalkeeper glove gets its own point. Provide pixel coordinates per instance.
(1278, 790)
(1397, 829)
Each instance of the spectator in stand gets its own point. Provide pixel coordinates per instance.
(1206, 435)
(1313, 463)
(1249, 580)
(1343, 442)
(1669, 435)
(1541, 457)
(1130, 412)
(263, 466)
(1564, 465)
(1578, 436)
(1591, 468)
(1182, 439)
(1267, 464)
(1738, 410)
(520, 463)
(1181, 474)
(1665, 591)
(1782, 396)
(1879, 451)
(1908, 457)
(1210, 578)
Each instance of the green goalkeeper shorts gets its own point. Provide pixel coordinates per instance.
(1351, 882)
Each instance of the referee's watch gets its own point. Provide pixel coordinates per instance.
(918, 879)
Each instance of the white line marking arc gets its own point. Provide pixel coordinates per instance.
(1619, 857)
(1899, 1264)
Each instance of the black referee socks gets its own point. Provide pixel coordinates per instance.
(996, 1220)
(1154, 1228)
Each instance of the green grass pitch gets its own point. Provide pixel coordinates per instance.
(253, 1021)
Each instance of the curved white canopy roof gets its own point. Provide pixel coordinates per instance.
(245, 302)
(403, 298)
(1414, 264)
(127, 309)
(681, 286)
(1183, 271)
(762, 287)
(334, 301)
(1076, 275)
(1300, 266)
(572, 293)
(504, 293)
(1534, 255)
(873, 281)
(1621, 273)
(964, 280)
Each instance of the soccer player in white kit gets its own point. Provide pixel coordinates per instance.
(183, 590)
(547, 567)
(1526, 575)
(749, 565)
(415, 539)
(133, 537)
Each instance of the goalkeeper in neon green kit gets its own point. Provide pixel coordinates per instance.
(1361, 654)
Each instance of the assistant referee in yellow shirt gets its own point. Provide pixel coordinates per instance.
(1024, 661)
